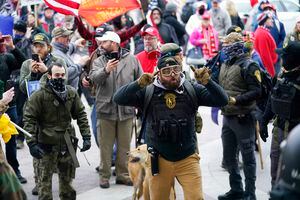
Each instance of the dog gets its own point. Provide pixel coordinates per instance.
(139, 168)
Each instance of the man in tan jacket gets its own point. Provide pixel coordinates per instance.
(115, 68)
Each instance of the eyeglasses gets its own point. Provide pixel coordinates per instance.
(167, 71)
(149, 38)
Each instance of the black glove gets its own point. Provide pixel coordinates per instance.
(263, 127)
(144, 21)
(86, 145)
(36, 151)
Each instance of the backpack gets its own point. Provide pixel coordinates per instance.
(148, 96)
(266, 79)
(187, 12)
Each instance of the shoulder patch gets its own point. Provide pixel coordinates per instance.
(257, 75)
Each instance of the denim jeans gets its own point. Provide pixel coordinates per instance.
(11, 145)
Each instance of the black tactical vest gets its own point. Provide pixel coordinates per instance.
(170, 125)
(283, 100)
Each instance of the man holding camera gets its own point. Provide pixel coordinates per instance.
(115, 68)
(11, 59)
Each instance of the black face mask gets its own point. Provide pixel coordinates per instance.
(201, 11)
(58, 84)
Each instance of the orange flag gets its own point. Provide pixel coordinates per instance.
(97, 12)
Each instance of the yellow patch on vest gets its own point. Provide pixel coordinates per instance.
(170, 100)
(257, 75)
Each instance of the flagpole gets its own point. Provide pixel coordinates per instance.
(35, 15)
(21, 129)
(142, 10)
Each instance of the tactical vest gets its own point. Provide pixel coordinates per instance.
(170, 125)
(230, 78)
(283, 101)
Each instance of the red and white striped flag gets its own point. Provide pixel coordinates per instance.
(67, 7)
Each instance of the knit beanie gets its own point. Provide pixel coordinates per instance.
(171, 7)
(263, 17)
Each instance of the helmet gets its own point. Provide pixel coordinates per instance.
(290, 166)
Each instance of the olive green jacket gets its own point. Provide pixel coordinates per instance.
(48, 119)
(26, 75)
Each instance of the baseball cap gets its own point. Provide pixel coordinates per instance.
(60, 32)
(206, 16)
(234, 28)
(289, 48)
(166, 61)
(40, 38)
(110, 36)
(151, 31)
(232, 38)
(169, 49)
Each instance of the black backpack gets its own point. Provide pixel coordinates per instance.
(187, 12)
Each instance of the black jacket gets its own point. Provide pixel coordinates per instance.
(179, 28)
(167, 33)
(9, 62)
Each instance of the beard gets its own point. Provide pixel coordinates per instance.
(149, 48)
(171, 84)
(156, 21)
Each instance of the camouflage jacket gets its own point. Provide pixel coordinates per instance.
(3, 107)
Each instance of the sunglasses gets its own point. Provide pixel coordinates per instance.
(167, 71)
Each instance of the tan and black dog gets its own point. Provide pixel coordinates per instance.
(139, 168)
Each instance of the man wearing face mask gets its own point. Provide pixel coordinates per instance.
(283, 103)
(115, 68)
(33, 70)
(20, 40)
(62, 48)
(242, 83)
(166, 32)
(50, 110)
(220, 18)
(196, 19)
(170, 123)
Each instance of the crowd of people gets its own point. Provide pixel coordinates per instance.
(128, 71)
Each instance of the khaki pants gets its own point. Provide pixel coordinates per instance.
(109, 132)
(187, 173)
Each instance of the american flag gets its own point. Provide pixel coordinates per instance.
(67, 7)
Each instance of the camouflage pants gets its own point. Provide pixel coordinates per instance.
(66, 173)
(278, 137)
(10, 187)
(35, 170)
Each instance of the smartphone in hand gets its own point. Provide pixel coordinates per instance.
(36, 57)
